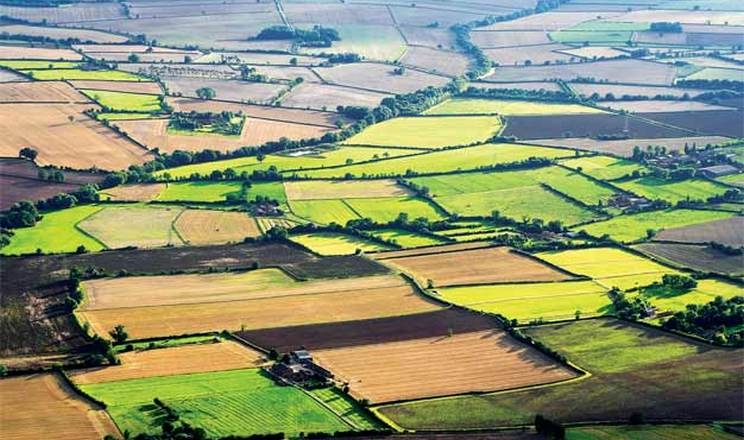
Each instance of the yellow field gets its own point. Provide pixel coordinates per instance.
(143, 192)
(321, 189)
(201, 227)
(329, 243)
(186, 359)
(41, 406)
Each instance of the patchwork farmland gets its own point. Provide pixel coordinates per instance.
(311, 219)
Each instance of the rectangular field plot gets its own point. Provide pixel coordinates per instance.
(186, 359)
(40, 398)
(407, 239)
(312, 190)
(728, 231)
(387, 209)
(140, 226)
(603, 167)
(428, 132)
(46, 92)
(477, 266)
(201, 227)
(525, 302)
(590, 126)
(172, 305)
(329, 243)
(323, 211)
(467, 362)
(624, 148)
(55, 232)
(249, 403)
(697, 257)
(697, 381)
(466, 106)
(609, 266)
(125, 101)
(142, 192)
(76, 74)
(198, 191)
(674, 300)
(442, 161)
(671, 191)
(628, 228)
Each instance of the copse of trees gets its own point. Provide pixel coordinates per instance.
(206, 93)
(666, 27)
(721, 320)
(25, 214)
(533, 95)
(549, 429)
(318, 36)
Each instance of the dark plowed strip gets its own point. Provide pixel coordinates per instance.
(368, 331)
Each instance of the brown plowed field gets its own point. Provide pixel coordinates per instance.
(431, 250)
(42, 406)
(477, 266)
(200, 227)
(697, 257)
(714, 122)
(728, 231)
(134, 193)
(82, 144)
(186, 359)
(558, 126)
(37, 53)
(369, 331)
(319, 190)
(625, 147)
(59, 33)
(41, 91)
(154, 134)
(478, 361)
(360, 303)
(145, 87)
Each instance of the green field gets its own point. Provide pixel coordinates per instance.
(73, 74)
(38, 64)
(649, 432)
(387, 209)
(247, 402)
(347, 408)
(632, 227)
(597, 32)
(634, 369)
(610, 267)
(331, 243)
(444, 161)
(124, 117)
(55, 232)
(530, 301)
(294, 160)
(428, 132)
(134, 225)
(382, 43)
(673, 192)
(166, 343)
(472, 106)
(323, 212)
(125, 102)
(407, 239)
(666, 299)
(603, 167)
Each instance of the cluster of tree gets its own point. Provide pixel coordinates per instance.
(25, 214)
(206, 93)
(636, 308)
(343, 58)
(318, 36)
(613, 136)
(721, 320)
(727, 84)
(726, 249)
(666, 27)
(678, 282)
(51, 175)
(549, 429)
(225, 122)
(533, 95)
(20, 215)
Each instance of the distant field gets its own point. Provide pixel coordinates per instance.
(697, 257)
(382, 209)
(603, 167)
(186, 359)
(374, 42)
(428, 132)
(407, 239)
(464, 106)
(328, 243)
(75, 74)
(249, 402)
(634, 227)
(624, 148)
(673, 192)
(323, 211)
(126, 102)
(37, 64)
(651, 432)
(672, 300)
(141, 192)
(477, 266)
(139, 226)
(198, 191)
(201, 227)
(311, 190)
(608, 266)
(31, 91)
(727, 231)
(39, 398)
(56, 232)
(443, 366)
(442, 161)
(526, 302)
(695, 381)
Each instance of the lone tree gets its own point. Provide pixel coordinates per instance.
(28, 153)
(119, 334)
(206, 93)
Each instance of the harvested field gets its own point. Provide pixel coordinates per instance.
(494, 39)
(146, 9)
(548, 21)
(537, 85)
(328, 97)
(154, 134)
(41, 92)
(38, 399)
(140, 226)
(528, 55)
(716, 122)
(697, 257)
(143, 192)
(613, 71)
(59, 33)
(431, 250)
(143, 87)
(199, 227)
(695, 382)
(595, 53)
(331, 301)
(37, 53)
(624, 148)
(727, 231)
(436, 61)
(330, 243)
(369, 331)
(477, 266)
(186, 359)
(660, 106)
(76, 12)
(621, 90)
(482, 361)
(228, 90)
(378, 77)
(318, 190)
(80, 144)
(537, 127)
(429, 37)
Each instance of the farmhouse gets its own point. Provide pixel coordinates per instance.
(298, 367)
(718, 171)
